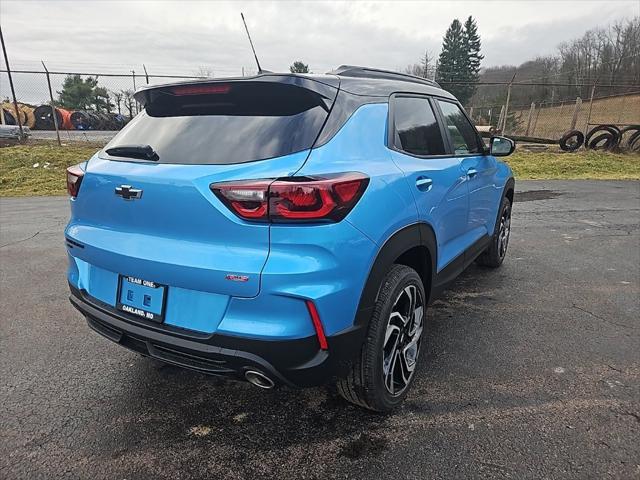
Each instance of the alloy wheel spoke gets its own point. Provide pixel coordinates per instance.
(405, 370)
(402, 340)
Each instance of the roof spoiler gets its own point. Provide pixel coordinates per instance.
(366, 72)
(326, 88)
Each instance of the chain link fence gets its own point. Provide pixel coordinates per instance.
(542, 110)
(110, 109)
(548, 118)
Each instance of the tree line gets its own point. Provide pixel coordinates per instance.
(605, 56)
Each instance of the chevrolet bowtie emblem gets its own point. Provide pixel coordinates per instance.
(128, 192)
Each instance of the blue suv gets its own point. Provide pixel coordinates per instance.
(286, 229)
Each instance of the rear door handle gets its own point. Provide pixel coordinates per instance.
(424, 184)
(472, 172)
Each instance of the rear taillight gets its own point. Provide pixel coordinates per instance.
(329, 198)
(74, 179)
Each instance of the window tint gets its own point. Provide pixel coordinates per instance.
(463, 135)
(241, 122)
(417, 131)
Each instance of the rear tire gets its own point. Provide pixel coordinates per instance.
(384, 370)
(494, 255)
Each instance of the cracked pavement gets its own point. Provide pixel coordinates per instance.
(528, 371)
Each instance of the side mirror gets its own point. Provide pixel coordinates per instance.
(501, 146)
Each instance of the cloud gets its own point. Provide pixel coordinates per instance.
(177, 37)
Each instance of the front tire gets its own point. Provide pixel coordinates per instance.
(382, 374)
(494, 255)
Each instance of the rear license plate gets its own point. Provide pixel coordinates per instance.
(142, 298)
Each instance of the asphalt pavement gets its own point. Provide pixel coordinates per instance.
(528, 371)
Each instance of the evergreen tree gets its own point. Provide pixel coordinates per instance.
(472, 48)
(84, 94)
(452, 63)
(460, 59)
(299, 67)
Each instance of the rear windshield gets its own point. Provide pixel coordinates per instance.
(226, 123)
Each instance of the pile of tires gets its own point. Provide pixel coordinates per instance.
(44, 118)
(86, 120)
(24, 114)
(41, 118)
(603, 137)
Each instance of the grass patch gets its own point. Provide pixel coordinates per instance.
(19, 174)
(39, 169)
(584, 165)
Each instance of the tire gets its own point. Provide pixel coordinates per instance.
(382, 374)
(494, 255)
(611, 134)
(571, 146)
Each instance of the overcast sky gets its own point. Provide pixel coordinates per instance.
(178, 37)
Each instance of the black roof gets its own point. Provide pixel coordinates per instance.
(382, 83)
(367, 72)
(352, 79)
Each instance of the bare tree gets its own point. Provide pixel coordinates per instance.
(425, 69)
(129, 102)
(203, 72)
(117, 96)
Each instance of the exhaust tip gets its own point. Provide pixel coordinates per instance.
(259, 379)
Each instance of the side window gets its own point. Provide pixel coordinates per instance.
(463, 135)
(416, 128)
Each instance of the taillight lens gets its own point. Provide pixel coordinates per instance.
(74, 178)
(311, 199)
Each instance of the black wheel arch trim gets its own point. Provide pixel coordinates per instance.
(405, 239)
(509, 186)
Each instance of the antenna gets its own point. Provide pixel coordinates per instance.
(251, 43)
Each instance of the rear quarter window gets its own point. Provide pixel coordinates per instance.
(242, 122)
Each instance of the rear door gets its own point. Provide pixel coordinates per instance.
(440, 189)
(479, 168)
(175, 231)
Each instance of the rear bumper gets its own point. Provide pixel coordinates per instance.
(297, 362)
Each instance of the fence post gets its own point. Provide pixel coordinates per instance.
(506, 105)
(535, 122)
(13, 92)
(532, 111)
(53, 107)
(499, 125)
(133, 76)
(576, 112)
(593, 91)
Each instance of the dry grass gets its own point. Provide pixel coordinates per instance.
(39, 169)
(583, 165)
(552, 122)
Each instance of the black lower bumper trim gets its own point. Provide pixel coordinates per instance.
(290, 362)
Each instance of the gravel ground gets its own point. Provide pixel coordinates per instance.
(529, 371)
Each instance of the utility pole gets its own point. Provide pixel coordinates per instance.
(13, 91)
(53, 108)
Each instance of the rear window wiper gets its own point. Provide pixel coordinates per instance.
(143, 152)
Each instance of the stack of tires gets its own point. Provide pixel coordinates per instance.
(41, 118)
(603, 137)
(44, 118)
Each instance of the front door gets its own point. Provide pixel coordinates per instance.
(479, 168)
(435, 178)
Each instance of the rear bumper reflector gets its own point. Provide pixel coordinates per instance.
(317, 324)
